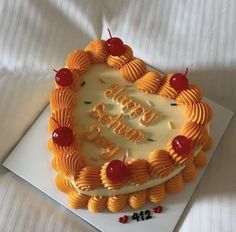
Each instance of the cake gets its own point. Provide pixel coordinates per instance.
(121, 133)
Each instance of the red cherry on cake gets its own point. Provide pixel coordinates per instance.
(179, 81)
(64, 77)
(117, 171)
(115, 45)
(182, 145)
(63, 136)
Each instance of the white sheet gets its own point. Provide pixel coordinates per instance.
(170, 35)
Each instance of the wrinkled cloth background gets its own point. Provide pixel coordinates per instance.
(35, 36)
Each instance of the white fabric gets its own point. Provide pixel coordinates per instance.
(35, 37)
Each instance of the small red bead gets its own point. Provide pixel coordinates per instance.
(158, 209)
(121, 219)
(117, 171)
(125, 218)
(182, 145)
(63, 136)
(64, 77)
(179, 82)
(115, 46)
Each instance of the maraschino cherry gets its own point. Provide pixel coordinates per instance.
(117, 171)
(63, 77)
(179, 81)
(115, 45)
(62, 136)
(182, 145)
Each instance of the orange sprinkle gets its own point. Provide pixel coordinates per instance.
(102, 81)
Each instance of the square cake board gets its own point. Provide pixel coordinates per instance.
(31, 161)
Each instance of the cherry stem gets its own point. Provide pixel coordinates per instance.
(186, 72)
(124, 158)
(56, 122)
(109, 32)
(54, 70)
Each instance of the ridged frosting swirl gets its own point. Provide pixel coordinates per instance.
(200, 159)
(117, 203)
(165, 89)
(54, 165)
(189, 173)
(70, 163)
(77, 200)
(133, 70)
(196, 132)
(161, 163)
(78, 59)
(200, 113)
(175, 184)
(149, 83)
(62, 98)
(138, 199)
(107, 183)
(139, 171)
(63, 184)
(157, 193)
(97, 203)
(191, 95)
(97, 51)
(208, 144)
(118, 61)
(62, 118)
(89, 178)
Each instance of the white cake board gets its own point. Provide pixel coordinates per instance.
(31, 161)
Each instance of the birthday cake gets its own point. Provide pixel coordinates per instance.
(122, 134)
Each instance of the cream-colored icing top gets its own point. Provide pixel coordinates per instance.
(158, 130)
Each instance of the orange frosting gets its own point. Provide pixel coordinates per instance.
(54, 165)
(63, 183)
(89, 178)
(107, 183)
(97, 51)
(161, 163)
(118, 61)
(189, 172)
(117, 203)
(149, 83)
(157, 193)
(208, 144)
(200, 113)
(138, 199)
(58, 150)
(78, 59)
(178, 159)
(133, 70)
(62, 98)
(166, 90)
(97, 203)
(70, 163)
(61, 118)
(200, 159)
(191, 95)
(139, 171)
(175, 184)
(77, 200)
(196, 132)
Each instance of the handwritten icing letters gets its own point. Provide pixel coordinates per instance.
(129, 106)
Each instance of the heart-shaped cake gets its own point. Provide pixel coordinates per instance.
(123, 134)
